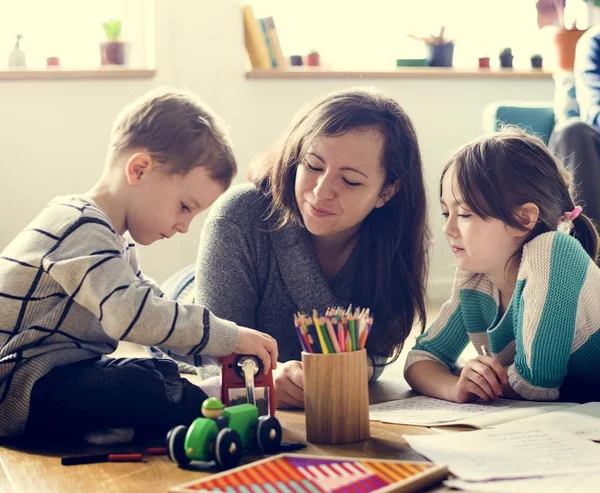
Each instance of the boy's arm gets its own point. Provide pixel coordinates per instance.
(88, 264)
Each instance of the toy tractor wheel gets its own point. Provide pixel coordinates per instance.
(176, 445)
(268, 434)
(228, 448)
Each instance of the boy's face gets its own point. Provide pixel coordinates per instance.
(162, 204)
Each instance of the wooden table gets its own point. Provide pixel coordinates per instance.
(37, 471)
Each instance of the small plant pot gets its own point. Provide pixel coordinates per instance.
(313, 60)
(53, 61)
(536, 62)
(112, 53)
(506, 61)
(296, 60)
(440, 55)
(484, 62)
(565, 41)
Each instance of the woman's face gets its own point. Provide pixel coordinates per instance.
(339, 181)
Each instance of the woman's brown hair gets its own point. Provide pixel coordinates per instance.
(394, 270)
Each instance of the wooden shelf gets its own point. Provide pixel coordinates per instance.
(399, 73)
(112, 72)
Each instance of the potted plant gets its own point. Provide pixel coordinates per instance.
(536, 60)
(112, 51)
(506, 58)
(440, 50)
(313, 59)
(16, 58)
(566, 35)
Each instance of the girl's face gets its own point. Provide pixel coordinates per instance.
(481, 246)
(340, 181)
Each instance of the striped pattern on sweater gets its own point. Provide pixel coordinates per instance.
(550, 330)
(70, 289)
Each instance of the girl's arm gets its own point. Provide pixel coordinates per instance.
(560, 285)
(429, 364)
(432, 378)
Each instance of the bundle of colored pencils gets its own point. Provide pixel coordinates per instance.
(338, 331)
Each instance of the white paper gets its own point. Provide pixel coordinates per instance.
(580, 483)
(509, 453)
(583, 420)
(427, 411)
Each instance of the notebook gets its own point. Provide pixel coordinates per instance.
(315, 474)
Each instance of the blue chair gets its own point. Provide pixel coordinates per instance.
(534, 117)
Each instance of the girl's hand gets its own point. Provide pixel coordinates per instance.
(260, 344)
(289, 384)
(482, 377)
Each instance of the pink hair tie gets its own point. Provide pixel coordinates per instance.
(565, 222)
(574, 214)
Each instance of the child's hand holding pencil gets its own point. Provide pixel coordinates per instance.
(482, 377)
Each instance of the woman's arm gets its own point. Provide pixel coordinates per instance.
(226, 280)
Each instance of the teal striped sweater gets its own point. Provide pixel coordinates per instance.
(551, 328)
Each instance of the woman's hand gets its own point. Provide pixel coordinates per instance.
(481, 378)
(289, 384)
(260, 344)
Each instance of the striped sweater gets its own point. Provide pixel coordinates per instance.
(550, 329)
(70, 289)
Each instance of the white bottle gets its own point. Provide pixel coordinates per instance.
(16, 58)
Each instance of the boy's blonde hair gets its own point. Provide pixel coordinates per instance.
(178, 130)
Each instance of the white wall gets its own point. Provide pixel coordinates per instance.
(53, 134)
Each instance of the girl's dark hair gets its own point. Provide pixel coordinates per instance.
(393, 271)
(499, 173)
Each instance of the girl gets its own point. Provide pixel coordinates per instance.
(336, 215)
(527, 289)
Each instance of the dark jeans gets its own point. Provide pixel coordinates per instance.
(146, 394)
(580, 390)
(577, 144)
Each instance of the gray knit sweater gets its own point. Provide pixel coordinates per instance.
(70, 288)
(258, 278)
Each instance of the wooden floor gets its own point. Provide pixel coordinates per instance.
(28, 470)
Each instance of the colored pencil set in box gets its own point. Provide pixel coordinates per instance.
(338, 331)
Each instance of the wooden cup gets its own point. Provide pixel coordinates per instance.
(336, 397)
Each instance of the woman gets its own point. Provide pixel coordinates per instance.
(336, 215)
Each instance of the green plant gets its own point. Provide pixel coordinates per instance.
(112, 29)
(434, 39)
(506, 52)
(552, 12)
(536, 56)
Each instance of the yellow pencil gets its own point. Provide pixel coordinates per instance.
(320, 333)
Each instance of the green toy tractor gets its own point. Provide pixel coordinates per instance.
(223, 434)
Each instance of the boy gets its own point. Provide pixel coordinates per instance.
(71, 286)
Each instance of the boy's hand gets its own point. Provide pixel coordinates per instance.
(482, 377)
(260, 344)
(289, 384)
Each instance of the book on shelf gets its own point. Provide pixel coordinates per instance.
(273, 44)
(255, 41)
